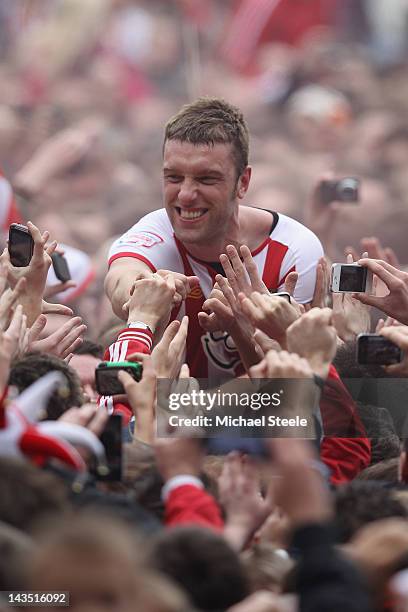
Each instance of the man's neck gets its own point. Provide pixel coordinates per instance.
(251, 227)
(211, 251)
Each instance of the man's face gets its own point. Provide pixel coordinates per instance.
(85, 367)
(200, 190)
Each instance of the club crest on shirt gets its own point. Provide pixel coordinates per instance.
(195, 294)
(220, 350)
(141, 239)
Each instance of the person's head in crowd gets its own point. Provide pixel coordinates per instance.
(385, 471)
(266, 567)
(28, 495)
(380, 428)
(319, 117)
(203, 564)
(142, 477)
(358, 503)
(217, 133)
(84, 361)
(31, 367)
(99, 563)
(16, 549)
(380, 549)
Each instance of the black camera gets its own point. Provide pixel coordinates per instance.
(345, 190)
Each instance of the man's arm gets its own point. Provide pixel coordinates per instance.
(122, 273)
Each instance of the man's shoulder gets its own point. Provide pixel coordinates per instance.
(295, 235)
(151, 239)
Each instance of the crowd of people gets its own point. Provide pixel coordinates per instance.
(182, 176)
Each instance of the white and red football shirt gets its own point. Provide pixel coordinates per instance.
(290, 246)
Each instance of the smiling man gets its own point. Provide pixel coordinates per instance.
(205, 177)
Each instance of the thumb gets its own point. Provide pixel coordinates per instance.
(265, 342)
(290, 282)
(184, 371)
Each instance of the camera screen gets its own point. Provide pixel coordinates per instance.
(378, 350)
(20, 248)
(353, 278)
(107, 382)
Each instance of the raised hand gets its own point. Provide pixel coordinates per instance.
(62, 342)
(395, 303)
(142, 398)
(168, 355)
(240, 495)
(271, 314)
(151, 301)
(313, 337)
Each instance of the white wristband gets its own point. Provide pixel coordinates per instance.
(179, 481)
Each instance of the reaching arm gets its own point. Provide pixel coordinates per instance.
(122, 274)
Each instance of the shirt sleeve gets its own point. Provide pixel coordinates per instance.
(302, 255)
(150, 240)
(189, 504)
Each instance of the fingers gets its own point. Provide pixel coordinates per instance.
(265, 342)
(387, 273)
(249, 308)
(14, 329)
(290, 282)
(229, 271)
(177, 345)
(39, 239)
(256, 281)
(209, 322)
(398, 335)
(184, 371)
(391, 257)
(61, 309)
(226, 290)
(349, 250)
(52, 290)
(8, 300)
(169, 335)
(370, 300)
(99, 421)
(3, 278)
(51, 247)
(72, 341)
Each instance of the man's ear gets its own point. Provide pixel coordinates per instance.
(243, 182)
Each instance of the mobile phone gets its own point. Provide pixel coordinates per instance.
(20, 245)
(106, 376)
(345, 190)
(285, 295)
(375, 349)
(61, 269)
(111, 439)
(350, 278)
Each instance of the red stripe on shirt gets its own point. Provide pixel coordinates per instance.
(135, 256)
(274, 257)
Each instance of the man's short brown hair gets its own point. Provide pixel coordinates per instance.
(211, 121)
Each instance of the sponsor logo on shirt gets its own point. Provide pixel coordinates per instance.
(141, 239)
(195, 294)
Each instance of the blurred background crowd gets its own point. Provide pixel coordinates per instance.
(88, 86)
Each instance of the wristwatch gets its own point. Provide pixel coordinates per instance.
(139, 325)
